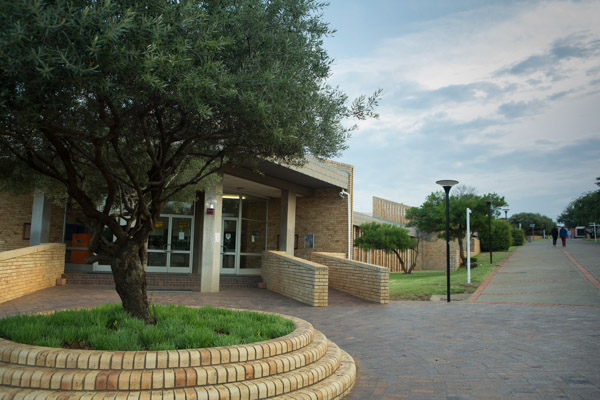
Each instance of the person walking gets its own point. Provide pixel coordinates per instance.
(554, 235)
(563, 236)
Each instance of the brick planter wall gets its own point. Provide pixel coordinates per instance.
(367, 281)
(301, 365)
(296, 278)
(30, 269)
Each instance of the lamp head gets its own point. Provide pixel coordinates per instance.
(447, 182)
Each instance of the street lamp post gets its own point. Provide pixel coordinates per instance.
(489, 203)
(447, 185)
(506, 213)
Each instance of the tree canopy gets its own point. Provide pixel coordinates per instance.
(541, 222)
(430, 217)
(582, 210)
(386, 237)
(126, 104)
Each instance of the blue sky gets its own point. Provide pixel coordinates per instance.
(503, 96)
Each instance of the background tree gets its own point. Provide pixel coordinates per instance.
(127, 104)
(386, 237)
(541, 222)
(430, 217)
(582, 211)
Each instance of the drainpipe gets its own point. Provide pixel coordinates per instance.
(342, 193)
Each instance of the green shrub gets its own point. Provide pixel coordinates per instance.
(518, 236)
(501, 236)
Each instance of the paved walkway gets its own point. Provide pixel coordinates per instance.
(507, 344)
(541, 273)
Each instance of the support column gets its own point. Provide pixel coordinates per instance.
(40, 219)
(208, 262)
(288, 221)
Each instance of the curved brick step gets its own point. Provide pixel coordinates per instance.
(335, 386)
(16, 353)
(75, 379)
(303, 364)
(260, 388)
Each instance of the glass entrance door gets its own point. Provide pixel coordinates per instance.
(229, 247)
(170, 244)
(244, 232)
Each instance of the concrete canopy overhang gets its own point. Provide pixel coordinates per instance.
(267, 179)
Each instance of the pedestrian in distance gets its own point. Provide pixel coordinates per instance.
(554, 235)
(563, 236)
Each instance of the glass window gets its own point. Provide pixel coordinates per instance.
(178, 208)
(160, 235)
(157, 259)
(180, 260)
(254, 208)
(231, 207)
(229, 261)
(253, 236)
(229, 235)
(181, 234)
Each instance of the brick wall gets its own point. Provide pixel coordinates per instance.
(367, 281)
(432, 254)
(296, 278)
(390, 210)
(324, 215)
(15, 211)
(29, 269)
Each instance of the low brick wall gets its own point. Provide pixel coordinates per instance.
(367, 281)
(296, 278)
(29, 269)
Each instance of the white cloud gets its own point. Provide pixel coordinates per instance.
(496, 83)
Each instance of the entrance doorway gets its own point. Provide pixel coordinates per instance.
(170, 243)
(244, 232)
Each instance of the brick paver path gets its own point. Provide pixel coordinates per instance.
(516, 346)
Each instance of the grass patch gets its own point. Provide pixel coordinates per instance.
(421, 285)
(109, 327)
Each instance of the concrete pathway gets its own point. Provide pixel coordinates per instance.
(515, 341)
(541, 273)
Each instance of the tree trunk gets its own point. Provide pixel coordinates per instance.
(402, 263)
(416, 254)
(130, 282)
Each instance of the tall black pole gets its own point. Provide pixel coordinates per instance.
(447, 185)
(447, 190)
(489, 203)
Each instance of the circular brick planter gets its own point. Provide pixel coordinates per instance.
(303, 364)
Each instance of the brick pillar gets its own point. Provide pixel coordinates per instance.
(288, 221)
(40, 219)
(209, 239)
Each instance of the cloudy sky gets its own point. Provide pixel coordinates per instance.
(503, 96)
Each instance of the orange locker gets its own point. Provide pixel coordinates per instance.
(80, 240)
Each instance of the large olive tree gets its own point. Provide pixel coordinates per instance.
(127, 103)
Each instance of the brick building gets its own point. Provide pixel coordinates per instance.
(221, 236)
